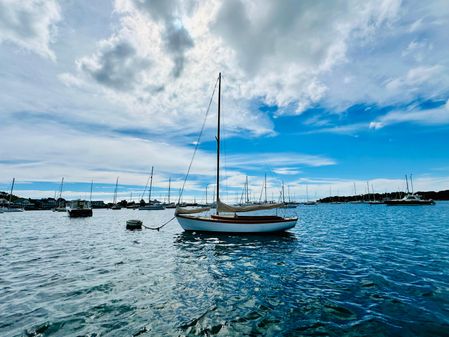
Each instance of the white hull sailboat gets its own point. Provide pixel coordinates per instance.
(236, 224)
(231, 222)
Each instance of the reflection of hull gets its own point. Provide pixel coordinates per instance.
(156, 207)
(239, 224)
(80, 213)
(409, 202)
(60, 209)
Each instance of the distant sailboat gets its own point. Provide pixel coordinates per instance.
(232, 223)
(152, 205)
(410, 199)
(289, 203)
(115, 205)
(60, 207)
(374, 201)
(308, 202)
(10, 208)
(169, 203)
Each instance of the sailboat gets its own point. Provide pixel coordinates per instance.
(289, 203)
(151, 206)
(308, 202)
(115, 205)
(169, 204)
(60, 207)
(234, 223)
(410, 199)
(10, 208)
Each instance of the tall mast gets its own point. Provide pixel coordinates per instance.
(266, 188)
(60, 187)
(218, 140)
(367, 188)
(115, 192)
(206, 194)
(151, 185)
(169, 185)
(247, 190)
(307, 192)
(12, 189)
(283, 193)
(406, 182)
(411, 183)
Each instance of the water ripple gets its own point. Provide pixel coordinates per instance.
(350, 270)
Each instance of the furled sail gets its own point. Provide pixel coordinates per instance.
(222, 207)
(183, 210)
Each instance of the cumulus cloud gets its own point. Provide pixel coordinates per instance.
(30, 25)
(294, 55)
(285, 47)
(117, 64)
(168, 13)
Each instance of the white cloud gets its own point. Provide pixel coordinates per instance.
(276, 160)
(435, 116)
(30, 24)
(81, 156)
(280, 53)
(286, 171)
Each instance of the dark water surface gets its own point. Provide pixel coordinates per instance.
(353, 270)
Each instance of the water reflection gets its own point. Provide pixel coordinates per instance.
(185, 240)
(235, 280)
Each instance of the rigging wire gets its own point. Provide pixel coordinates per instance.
(197, 142)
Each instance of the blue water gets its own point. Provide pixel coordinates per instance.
(345, 270)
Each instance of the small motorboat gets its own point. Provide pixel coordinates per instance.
(80, 209)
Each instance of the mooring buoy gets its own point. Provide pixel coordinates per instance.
(133, 224)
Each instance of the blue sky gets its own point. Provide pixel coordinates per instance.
(317, 93)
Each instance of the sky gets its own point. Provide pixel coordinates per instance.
(322, 95)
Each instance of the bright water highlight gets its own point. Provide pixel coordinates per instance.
(354, 270)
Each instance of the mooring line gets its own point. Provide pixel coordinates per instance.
(157, 228)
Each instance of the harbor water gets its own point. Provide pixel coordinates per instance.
(344, 270)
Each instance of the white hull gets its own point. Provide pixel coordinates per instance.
(213, 225)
